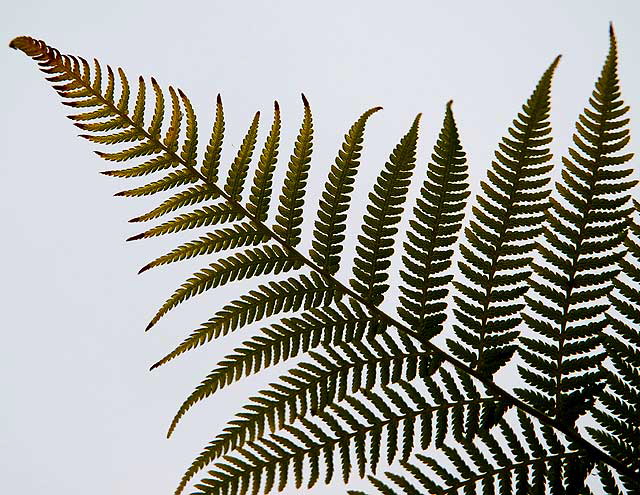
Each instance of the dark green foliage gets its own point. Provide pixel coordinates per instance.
(288, 295)
(501, 238)
(618, 418)
(375, 245)
(581, 247)
(329, 229)
(368, 389)
(433, 230)
(330, 375)
(250, 263)
(363, 428)
(279, 342)
(494, 467)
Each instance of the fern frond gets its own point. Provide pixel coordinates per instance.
(279, 342)
(375, 245)
(249, 263)
(240, 235)
(362, 429)
(213, 214)
(240, 166)
(501, 237)
(332, 374)
(437, 220)
(328, 232)
(106, 115)
(211, 162)
(289, 215)
(288, 295)
(487, 466)
(196, 194)
(157, 163)
(618, 420)
(172, 180)
(260, 196)
(581, 248)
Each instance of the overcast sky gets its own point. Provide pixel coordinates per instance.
(80, 412)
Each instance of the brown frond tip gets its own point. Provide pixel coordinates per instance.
(305, 101)
(33, 48)
(219, 99)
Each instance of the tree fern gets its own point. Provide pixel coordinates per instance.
(371, 387)
(581, 251)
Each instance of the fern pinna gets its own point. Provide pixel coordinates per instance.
(372, 390)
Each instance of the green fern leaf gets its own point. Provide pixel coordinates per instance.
(619, 428)
(196, 194)
(157, 163)
(375, 245)
(328, 410)
(489, 464)
(262, 182)
(280, 342)
(437, 220)
(240, 166)
(328, 233)
(240, 235)
(172, 180)
(291, 200)
(249, 263)
(211, 162)
(501, 237)
(288, 295)
(385, 421)
(209, 215)
(581, 248)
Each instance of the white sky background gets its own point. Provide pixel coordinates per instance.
(79, 412)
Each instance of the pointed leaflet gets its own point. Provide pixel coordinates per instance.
(437, 218)
(240, 166)
(262, 182)
(582, 245)
(328, 232)
(239, 235)
(289, 215)
(375, 245)
(211, 162)
(501, 237)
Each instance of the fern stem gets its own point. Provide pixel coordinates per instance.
(46, 55)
